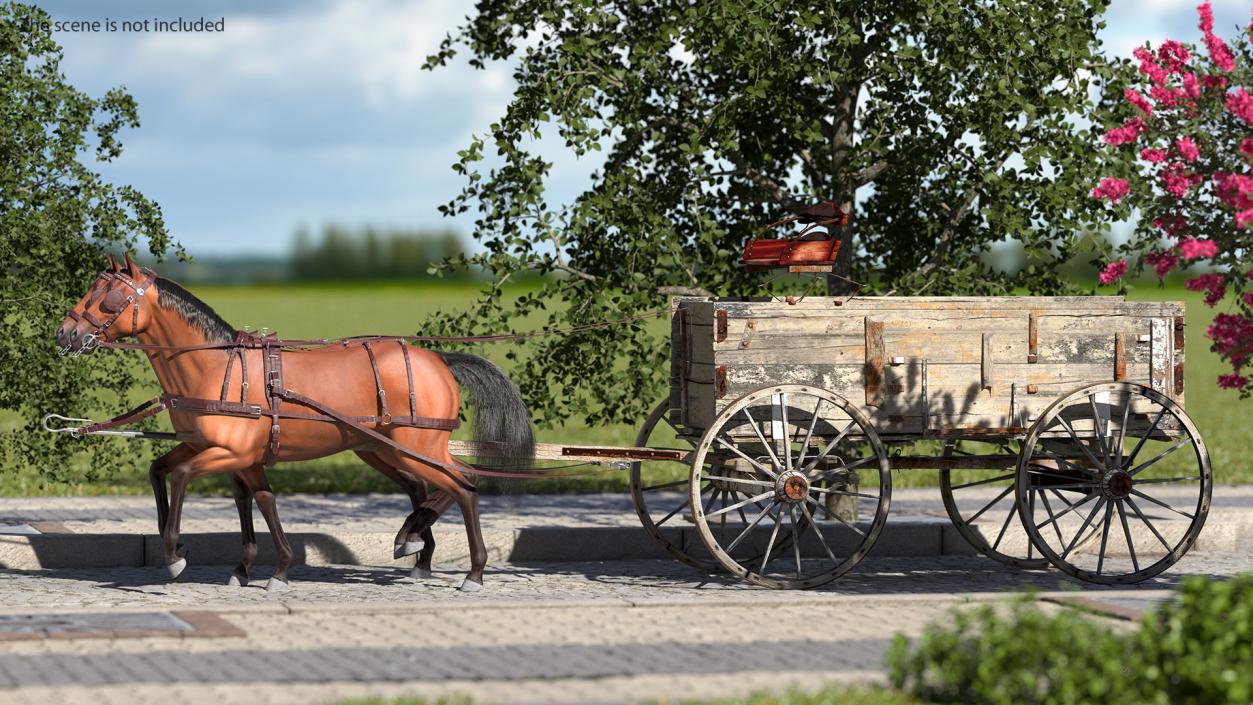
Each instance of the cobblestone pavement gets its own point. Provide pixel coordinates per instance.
(617, 632)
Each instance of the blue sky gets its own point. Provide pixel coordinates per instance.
(314, 111)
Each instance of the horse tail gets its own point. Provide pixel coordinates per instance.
(501, 418)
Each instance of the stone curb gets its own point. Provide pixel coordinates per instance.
(904, 537)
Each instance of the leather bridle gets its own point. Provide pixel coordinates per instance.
(109, 291)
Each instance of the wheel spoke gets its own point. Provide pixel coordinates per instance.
(1131, 503)
(746, 531)
(1100, 560)
(1094, 482)
(1083, 528)
(1122, 430)
(809, 434)
(827, 449)
(774, 533)
(737, 480)
(664, 485)
(731, 447)
(858, 463)
(1008, 516)
(750, 500)
(842, 493)
(999, 497)
(1079, 443)
(1065, 461)
(1167, 479)
(796, 541)
(1072, 508)
(836, 517)
(1052, 518)
(1186, 440)
(818, 532)
(1126, 532)
(1136, 451)
(676, 510)
(1010, 476)
(1140, 494)
(769, 447)
(787, 452)
(1100, 433)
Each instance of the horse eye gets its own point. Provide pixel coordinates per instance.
(113, 302)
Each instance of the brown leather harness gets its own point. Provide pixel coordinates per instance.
(272, 349)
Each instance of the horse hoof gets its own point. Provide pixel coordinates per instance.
(469, 585)
(175, 569)
(237, 580)
(407, 548)
(276, 585)
(421, 573)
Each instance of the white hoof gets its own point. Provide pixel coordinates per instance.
(237, 580)
(469, 585)
(407, 548)
(176, 568)
(276, 585)
(421, 573)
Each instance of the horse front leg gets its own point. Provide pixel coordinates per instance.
(157, 473)
(211, 460)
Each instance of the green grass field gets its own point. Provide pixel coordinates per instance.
(351, 309)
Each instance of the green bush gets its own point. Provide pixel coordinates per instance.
(1198, 649)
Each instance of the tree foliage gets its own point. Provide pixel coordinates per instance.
(950, 125)
(57, 218)
(1178, 152)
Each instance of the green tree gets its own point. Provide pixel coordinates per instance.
(57, 219)
(944, 126)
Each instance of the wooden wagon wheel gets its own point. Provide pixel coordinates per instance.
(971, 495)
(654, 503)
(1113, 501)
(814, 444)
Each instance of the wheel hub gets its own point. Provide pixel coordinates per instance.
(1117, 484)
(792, 487)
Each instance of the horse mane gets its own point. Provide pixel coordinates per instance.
(196, 313)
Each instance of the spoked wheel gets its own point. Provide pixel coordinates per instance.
(762, 474)
(658, 489)
(983, 506)
(1113, 483)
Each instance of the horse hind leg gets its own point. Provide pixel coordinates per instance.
(243, 502)
(408, 540)
(266, 502)
(467, 500)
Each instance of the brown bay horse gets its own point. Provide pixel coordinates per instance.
(189, 347)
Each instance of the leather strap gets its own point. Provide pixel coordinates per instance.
(378, 383)
(273, 357)
(404, 352)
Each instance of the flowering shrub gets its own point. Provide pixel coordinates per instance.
(1182, 157)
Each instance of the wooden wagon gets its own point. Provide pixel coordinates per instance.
(1056, 423)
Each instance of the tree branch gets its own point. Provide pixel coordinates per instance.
(950, 227)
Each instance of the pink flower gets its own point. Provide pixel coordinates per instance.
(1191, 85)
(1219, 52)
(1232, 336)
(1212, 284)
(1174, 55)
(1149, 66)
(1248, 299)
(1214, 81)
(1133, 96)
(1112, 188)
(1187, 149)
(1206, 13)
(1232, 381)
(1234, 190)
(1177, 181)
(1244, 217)
(1167, 97)
(1113, 271)
(1240, 104)
(1173, 225)
(1155, 156)
(1162, 262)
(1128, 132)
(1246, 147)
(1193, 248)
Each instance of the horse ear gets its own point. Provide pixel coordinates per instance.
(112, 262)
(131, 267)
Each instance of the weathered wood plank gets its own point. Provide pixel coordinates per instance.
(874, 362)
(986, 369)
(1120, 356)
